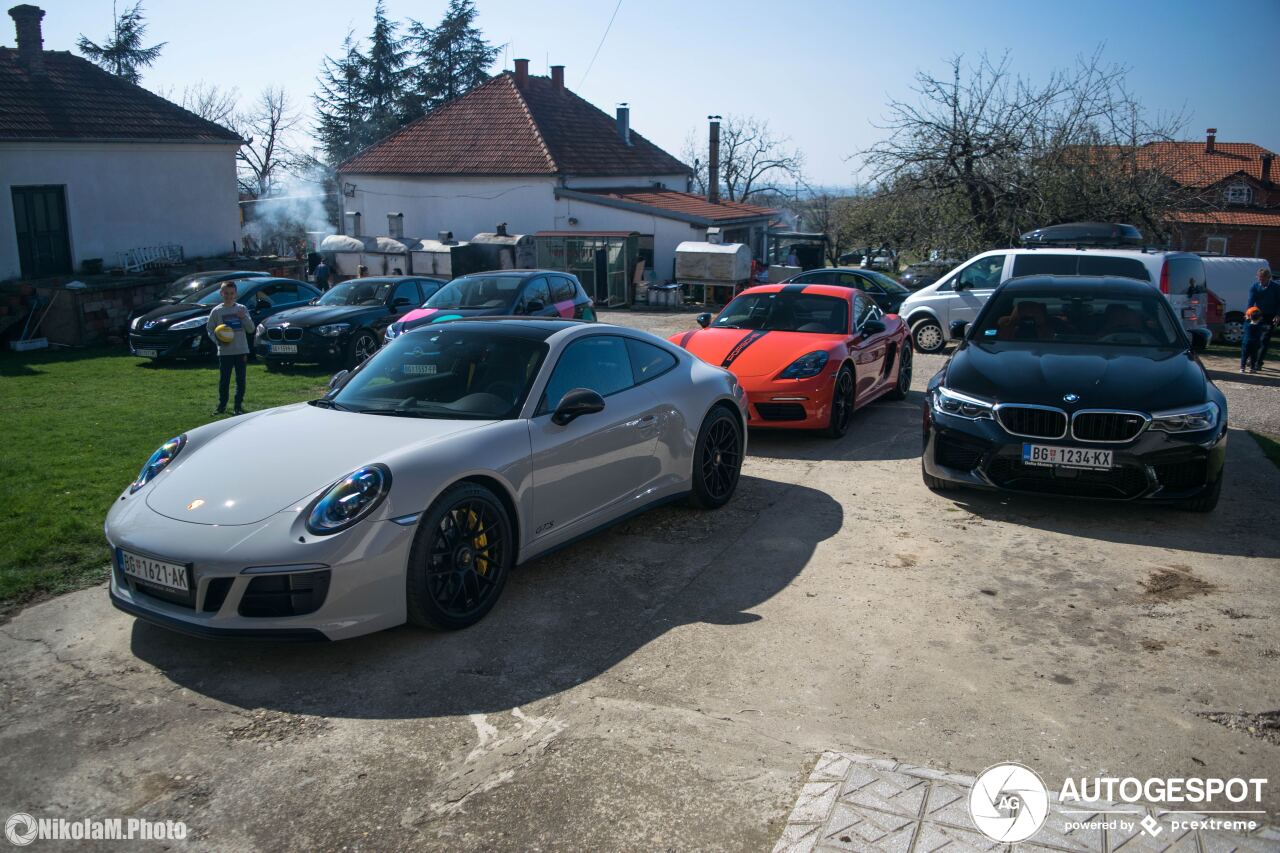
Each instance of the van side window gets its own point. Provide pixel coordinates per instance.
(982, 274)
(1044, 264)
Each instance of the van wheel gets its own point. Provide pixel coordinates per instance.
(1233, 330)
(928, 337)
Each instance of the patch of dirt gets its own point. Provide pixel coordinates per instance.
(1174, 583)
(906, 561)
(1153, 645)
(1264, 725)
(272, 727)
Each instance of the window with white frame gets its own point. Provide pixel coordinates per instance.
(1239, 193)
(1215, 245)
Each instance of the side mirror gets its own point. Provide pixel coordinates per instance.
(873, 327)
(576, 403)
(533, 306)
(336, 379)
(963, 285)
(958, 328)
(704, 319)
(1200, 340)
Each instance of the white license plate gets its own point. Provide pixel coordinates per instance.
(172, 576)
(148, 353)
(284, 348)
(1066, 457)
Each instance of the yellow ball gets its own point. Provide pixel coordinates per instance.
(224, 333)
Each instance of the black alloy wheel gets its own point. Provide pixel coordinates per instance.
(717, 459)
(460, 559)
(841, 403)
(903, 385)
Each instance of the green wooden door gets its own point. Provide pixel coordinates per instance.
(44, 244)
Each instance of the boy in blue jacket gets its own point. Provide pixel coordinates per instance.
(1251, 343)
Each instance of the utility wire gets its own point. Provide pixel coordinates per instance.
(601, 44)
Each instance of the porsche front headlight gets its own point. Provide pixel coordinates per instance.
(158, 462)
(805, 366)
(1194, 419)
(349, 500)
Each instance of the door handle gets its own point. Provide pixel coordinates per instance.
(641, 423)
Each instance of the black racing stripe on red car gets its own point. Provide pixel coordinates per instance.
(684, 342)
(747, 340)
(793, 289)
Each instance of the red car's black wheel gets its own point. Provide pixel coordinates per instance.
(903, 384)
(841, 403)
(460, 559)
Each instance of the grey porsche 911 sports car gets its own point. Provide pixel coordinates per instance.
(410, 490)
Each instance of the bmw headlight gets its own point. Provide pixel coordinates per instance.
(960, 405)
(350, 499)
(1187, 420)
(158, 462)
(393, 331)
(807, 365)
(185, 325)
(333, 329)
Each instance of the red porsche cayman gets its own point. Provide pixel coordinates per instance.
(807, 355)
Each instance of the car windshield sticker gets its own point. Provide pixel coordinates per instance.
(741, 345)
(990, 333)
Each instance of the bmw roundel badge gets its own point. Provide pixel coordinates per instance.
(1070, 398)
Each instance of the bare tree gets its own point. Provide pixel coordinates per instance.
(1014, 155)
(268, 151)
(209, 102)
(754, 161)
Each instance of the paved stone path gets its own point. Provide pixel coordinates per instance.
(855, 802)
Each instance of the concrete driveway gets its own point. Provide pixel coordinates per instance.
(670, 684)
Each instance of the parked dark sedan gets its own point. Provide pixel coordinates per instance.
(183, 289)
(179, 329)
(345, 325)
(528, 293)
(886, 292)
(1080, 386)
(923, 274)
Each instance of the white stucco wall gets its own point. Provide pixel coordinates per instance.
(123, 196)
(469, 206)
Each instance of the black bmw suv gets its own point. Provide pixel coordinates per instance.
(1084, 387)
(345, 325)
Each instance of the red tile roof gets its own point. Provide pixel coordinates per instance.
(1190, 165)
(1263, 218)
(688, 204)
(499, 129)
(76, 100)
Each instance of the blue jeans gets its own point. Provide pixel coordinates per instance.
(227, 363)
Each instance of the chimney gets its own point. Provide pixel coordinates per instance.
(713, 162)
(522, 73)
(26, 20)
(557, 78)
(1211, 136)
(395, 225)
(1266, 167)
(501, 230)
(624, 123)
(355, 223)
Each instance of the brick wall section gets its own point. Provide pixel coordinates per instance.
(1241, 242)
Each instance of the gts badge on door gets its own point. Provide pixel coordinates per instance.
(544, 528)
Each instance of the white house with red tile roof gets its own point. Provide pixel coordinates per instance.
(524, 150)
(93, 166)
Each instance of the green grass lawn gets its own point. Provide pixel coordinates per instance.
(77, 425)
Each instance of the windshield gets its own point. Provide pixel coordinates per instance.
(889, 285)
(211, 295)
(786, 312)
(477, 291)
(469, 373)
(1078, 318)
(184, 286)
(357, 293)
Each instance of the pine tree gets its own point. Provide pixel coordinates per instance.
(122, 53)
(384, 77)
(452, 58)
(340, 103)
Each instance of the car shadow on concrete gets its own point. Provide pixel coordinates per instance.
(1233, 529)
(563, 619)
(884, 429)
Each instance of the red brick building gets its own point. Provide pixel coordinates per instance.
(1242, 200)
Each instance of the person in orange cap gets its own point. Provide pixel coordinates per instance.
(1251, 342)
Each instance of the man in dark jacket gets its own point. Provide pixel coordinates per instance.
(1265, 296)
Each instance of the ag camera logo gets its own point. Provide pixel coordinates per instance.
(1009, 803)
(21, 829)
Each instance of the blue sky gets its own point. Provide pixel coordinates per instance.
(820, 72)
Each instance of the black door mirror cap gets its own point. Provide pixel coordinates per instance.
(575, 403)
(873, 327)
(337, 379)
(958, 329)
(704, 319)
(533, 306)
(1200, 339)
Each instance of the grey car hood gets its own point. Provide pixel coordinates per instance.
(275, 459)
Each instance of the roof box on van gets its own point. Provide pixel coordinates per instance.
(1084, 234)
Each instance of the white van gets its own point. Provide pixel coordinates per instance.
(1230, 279)
(958, 295)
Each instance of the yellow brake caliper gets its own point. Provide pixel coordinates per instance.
(479, 543)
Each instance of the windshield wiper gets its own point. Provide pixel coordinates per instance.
(326, 403)
(399, 413)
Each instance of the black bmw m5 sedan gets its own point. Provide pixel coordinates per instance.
(1082, 387)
